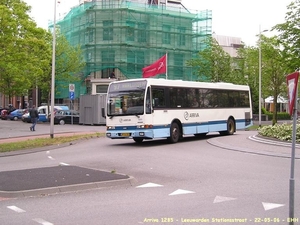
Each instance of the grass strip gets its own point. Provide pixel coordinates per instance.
(43, 142)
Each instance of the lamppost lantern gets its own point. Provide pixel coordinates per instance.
(259, 79)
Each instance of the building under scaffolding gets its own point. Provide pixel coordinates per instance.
(125, 36)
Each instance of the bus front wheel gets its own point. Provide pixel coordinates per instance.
(138, 140)
(230, 127)
(174, 133)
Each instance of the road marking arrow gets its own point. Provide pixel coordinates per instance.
(149, 185)
(219, 199)
(268, 206)
(181, 192)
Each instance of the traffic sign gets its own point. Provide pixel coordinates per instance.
(71, 87)
(71, 95)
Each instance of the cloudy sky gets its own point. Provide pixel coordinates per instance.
(237, 18)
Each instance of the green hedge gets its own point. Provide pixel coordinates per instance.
(280, 115)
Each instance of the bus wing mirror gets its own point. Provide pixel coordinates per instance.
(103, 112)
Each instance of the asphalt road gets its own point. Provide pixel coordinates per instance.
(191, 182)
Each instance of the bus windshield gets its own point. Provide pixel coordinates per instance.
(126, 98)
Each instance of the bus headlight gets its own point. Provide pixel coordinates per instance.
(146, 126)
(110, 128)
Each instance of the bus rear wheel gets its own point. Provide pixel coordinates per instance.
(230, 127)
(138, 140)
(175, 133)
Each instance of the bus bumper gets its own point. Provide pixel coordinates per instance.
(146, 134)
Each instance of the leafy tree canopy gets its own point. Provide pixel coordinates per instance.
(22, 48)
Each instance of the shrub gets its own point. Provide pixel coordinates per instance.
(282, 132)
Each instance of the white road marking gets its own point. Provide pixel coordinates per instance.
(48, 152)
(219, 199)
(149, 185)
(41, 221)
(181, 192)
(50, 157)
(64, 164)
(268, 206)
(16, 209)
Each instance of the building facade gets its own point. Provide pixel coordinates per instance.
(122, 37)
(229, 44)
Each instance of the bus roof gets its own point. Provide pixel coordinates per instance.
(190, 84)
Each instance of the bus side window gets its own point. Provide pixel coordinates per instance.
(158, 96)
(148, 102)
(155, 102)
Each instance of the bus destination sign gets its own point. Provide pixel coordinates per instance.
(127, 86)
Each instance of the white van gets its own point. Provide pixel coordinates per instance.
(43, 113)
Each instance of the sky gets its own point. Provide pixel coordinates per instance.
(236, 18)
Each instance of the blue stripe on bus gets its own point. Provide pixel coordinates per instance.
(161, 131)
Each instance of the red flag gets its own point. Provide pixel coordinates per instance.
(158, 67)
(292, 83)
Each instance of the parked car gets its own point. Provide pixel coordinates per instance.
(16, 114)
(26, 118)
(66, 117)
(4, 114)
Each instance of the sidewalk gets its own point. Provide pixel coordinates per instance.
(25, 138)
(12, 131)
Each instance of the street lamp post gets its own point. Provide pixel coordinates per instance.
(53, 75)
(259, 79)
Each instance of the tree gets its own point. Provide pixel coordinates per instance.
(21, 48)
(273, 70)
(68, 65)
(248, 67)
(213, 63)
(289, 35)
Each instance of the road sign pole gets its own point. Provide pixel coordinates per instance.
(292, 82)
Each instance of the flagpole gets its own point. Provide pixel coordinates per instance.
(166, 65)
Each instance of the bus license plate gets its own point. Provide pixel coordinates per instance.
(125, 134)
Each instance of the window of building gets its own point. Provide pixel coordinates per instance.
(86, 37)
(101, 88)
(91, 18)
(108, 30)
(166, 36)
(178, 62)
(142, 32)
(92, 35)
(90, 56)
(108, 57)
(181, 36)
(135, 62)
(130, 31)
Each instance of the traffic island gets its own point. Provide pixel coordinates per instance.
(51, 180)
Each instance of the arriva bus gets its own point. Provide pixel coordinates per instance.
(158, 108)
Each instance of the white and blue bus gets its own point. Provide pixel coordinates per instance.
(157, 108)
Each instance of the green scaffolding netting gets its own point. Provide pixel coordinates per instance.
(124, 37)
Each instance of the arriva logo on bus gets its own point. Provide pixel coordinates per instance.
(188, 115)
(124, 120)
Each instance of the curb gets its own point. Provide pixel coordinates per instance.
(69, 188)
(258, 139)
(45, 148)
(30, 137)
